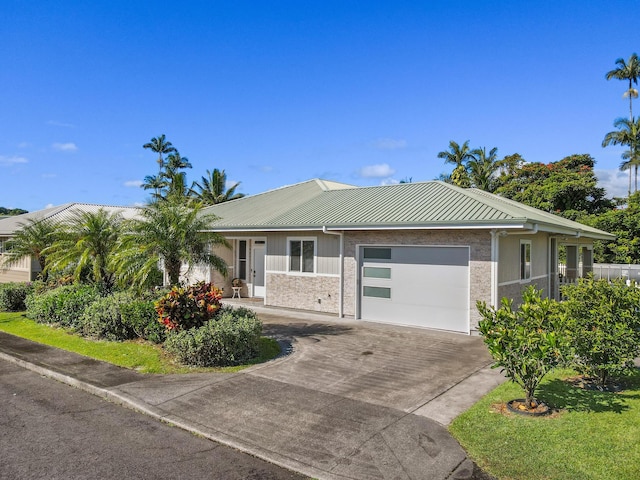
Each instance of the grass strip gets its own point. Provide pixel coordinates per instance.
(594, 435)
(138, 355)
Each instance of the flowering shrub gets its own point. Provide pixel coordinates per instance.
(188, 307)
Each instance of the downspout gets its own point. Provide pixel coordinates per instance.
(495, 245)
(340, 269)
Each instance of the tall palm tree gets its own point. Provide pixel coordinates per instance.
(212, 188)
(627, 134)
(160, 146)
(458, 155)
(30, 241)
(86, 245)
(172, 233)
(630, 71)
(482, 168)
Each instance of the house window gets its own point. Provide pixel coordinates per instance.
(242, 259)
(374, 253)
(376, 292)
(376, 272)
(525, 259)
(302, 254)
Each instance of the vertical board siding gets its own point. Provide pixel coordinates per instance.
(327, 248)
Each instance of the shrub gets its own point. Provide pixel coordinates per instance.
(528, 342)
(103, 318)
(63, 305)
(229, 339)
(604, 321)
(141, 317)
(188, 307)
(13, 295)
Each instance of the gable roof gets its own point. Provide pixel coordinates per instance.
(318, 204)
(61, 213)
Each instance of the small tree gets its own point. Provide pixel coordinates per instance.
(604, 324)
(527, 342)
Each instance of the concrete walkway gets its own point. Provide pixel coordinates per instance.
(351, 401)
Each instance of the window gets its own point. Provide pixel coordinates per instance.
(525, 259)
(376, 292)
(376, 272)
(242, 259)
(302, 255)
(371, 253)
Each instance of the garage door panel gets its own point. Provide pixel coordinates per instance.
(421, 286)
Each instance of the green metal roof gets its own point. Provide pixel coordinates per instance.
(316, 204)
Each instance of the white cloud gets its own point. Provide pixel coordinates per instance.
(139, 204)
(60, 124)
(389, 181)
(49, 175)
(615, 182)
(382, 170)
(65, 147)
(390, 143)
(6, 161)
(133, 183)
(49, 205)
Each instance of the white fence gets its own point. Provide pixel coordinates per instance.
(611, 271)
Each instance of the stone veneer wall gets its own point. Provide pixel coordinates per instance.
(480, 259)
(514, 291)
(305, 292)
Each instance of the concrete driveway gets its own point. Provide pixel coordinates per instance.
(430, 373)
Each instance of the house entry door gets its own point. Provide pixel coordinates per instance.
(257, 269)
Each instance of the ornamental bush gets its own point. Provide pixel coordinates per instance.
(141, 317)
(63, 305)
(229, 339)
(604, 324)
(188, 307)
(13, 296)
(527, 342)
(103, 318)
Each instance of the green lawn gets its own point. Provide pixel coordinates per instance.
(138, 355)
(595, 435)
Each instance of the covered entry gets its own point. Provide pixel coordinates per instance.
(417, 286)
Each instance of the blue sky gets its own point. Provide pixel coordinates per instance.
(283, 91)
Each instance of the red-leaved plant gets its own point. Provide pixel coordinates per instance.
(188, 307)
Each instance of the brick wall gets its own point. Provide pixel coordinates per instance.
(304, 292)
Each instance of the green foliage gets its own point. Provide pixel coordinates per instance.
(604, 321)
(567, 187)
(173, 233)
(13, 295)
(31, 240)
(624, 223)
(103, 318)
(12, 211)
(527, 342)
(141, 317)
(63, 305)
(212, 188)
(189, 307)
(229, 339)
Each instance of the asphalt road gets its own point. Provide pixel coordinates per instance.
(53, 431)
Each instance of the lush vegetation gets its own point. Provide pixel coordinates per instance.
(12, 211)
(13, 296)
(596, 331)
(594, 434)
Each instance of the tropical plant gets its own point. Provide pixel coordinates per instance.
(627, 134)
(171, 233)
(162, 147)
(458, 155)
(604, 321)
(212, 188)
(627, 71)
(482, 168)
(30, 241)
(188, 307)
(526, 342)
(85, 245)
(13, 296)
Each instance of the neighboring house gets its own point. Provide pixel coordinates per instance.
(28, 268)
(419, 254)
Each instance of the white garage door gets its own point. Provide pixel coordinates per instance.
(419, 286)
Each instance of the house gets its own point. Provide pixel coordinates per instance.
(418, 254)
(29, 268)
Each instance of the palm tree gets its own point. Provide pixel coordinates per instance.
(628, 134)
(160, 146)
(458, 155)
(30, 241)
(172, 233)
(86, 245)
(482, 168)
(630, 71)
(212, 188)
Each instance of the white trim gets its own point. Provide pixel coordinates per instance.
(302, 274)
(521, 259)
(315, 255)
(340, 271)
(495, 256)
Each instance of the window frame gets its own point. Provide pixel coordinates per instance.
(301, 240)
(525, 245)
